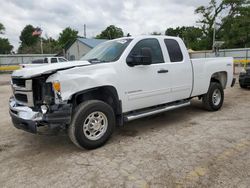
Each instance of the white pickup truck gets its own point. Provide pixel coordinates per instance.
(118, 81)
(45, 61)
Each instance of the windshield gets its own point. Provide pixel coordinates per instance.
(107, 51)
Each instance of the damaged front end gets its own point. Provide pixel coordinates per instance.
(33, 105)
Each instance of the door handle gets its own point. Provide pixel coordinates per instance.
(162, 71)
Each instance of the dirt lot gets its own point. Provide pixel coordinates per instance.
(187, 147)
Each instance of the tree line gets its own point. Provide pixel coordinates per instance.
(229, 19)
(226, 20)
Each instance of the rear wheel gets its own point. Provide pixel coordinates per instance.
(214, 98)
(92, 124)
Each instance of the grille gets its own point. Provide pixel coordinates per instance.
(21, 97)
(18, 82)
(22, 91)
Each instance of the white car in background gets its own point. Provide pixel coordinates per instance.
(45, 61)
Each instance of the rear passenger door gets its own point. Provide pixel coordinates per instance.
(180, 69)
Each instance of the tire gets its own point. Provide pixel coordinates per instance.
(81, 131)
(243, 86)
(214, 98)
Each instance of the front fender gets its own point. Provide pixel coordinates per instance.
(83, 78)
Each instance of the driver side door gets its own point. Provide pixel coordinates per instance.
(146, 85)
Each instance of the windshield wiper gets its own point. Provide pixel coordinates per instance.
(95, 60)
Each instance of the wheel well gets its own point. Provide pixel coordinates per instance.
(220, 77)
(107, 94)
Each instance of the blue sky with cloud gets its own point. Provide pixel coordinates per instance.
(133, 16)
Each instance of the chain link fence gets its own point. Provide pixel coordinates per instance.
(241, 56)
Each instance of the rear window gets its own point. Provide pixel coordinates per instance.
(62, 60)
(174, 50)
(53, 60)
(46, 60)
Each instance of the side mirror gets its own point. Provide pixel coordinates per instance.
(145, 58)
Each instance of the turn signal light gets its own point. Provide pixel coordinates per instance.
(57, 86)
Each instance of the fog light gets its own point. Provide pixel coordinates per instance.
(44, 109)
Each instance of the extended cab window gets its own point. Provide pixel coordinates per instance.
(155, 47)
(53, 60)
(174, 50)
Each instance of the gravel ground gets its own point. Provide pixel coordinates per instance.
(188, 147)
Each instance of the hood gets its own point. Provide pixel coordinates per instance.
(47, 69)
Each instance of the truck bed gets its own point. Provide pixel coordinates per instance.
(203, 70)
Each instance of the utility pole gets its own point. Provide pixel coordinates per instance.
(214, 35)
(41, 45)
(85, 34)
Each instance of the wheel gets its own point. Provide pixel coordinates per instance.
(214, 98)
(92, 124)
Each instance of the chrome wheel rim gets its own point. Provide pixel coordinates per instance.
(216, 97)
(95, 125)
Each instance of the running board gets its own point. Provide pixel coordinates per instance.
(145, 113)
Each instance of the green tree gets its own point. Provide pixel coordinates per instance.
(208, 15)
(192, 36)
(5, 46)
(111, 32)
(34, 49)
(236, 29)
(175, 32)
(66, 36)
(2, 28)
(26, 37)
(50, 46)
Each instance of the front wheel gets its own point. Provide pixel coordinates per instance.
(214, 98)
(92, 124)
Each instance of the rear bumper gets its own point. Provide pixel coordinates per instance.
(31, 121)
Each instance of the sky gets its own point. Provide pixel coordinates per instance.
(133, 16)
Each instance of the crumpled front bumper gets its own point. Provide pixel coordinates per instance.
(25, 118)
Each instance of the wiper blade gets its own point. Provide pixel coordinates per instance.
(95, 60)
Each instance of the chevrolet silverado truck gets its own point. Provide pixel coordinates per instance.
(118, 81)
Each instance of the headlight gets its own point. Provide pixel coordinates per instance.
(56, 86)
(44, 109)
